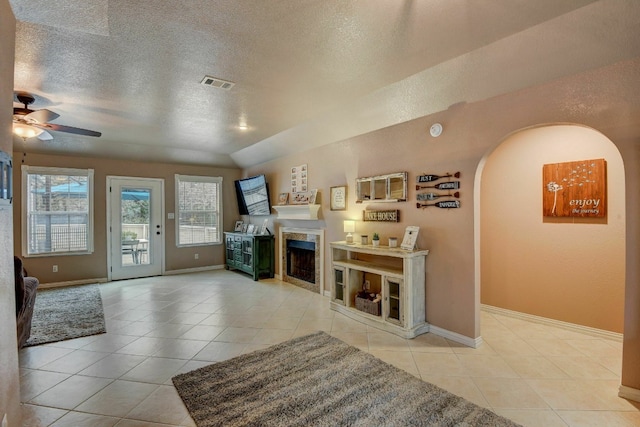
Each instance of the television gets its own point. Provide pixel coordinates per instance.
(253, 196)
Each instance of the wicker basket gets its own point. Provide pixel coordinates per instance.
(367, 306)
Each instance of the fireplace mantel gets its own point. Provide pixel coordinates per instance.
(305, 212)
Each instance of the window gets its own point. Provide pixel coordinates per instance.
(199, 210)
(57, 214)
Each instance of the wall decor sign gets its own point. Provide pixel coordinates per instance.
(338, 198)
(392, 215)
(448, 204)
(575, 189)
(430, 178)
(452, 185)
(433, 196)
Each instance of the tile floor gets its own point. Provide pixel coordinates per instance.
(158, 327)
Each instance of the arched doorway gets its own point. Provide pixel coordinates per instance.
(571, 270)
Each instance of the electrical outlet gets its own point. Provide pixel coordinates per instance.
(55, 268)
(197, 256)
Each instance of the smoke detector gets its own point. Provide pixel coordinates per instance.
(435, 130)
(216, 82)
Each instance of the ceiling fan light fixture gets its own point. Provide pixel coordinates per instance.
(26, 131)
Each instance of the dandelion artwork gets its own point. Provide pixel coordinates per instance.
(575, 189)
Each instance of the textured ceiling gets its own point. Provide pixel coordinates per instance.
(306, 72)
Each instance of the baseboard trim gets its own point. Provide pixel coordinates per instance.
(600, 333)
(456, 337)
(72, 283)
(193, 270)
(629, 393)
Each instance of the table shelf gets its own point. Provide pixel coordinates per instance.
(396, 274)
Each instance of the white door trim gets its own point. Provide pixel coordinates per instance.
(161, 250)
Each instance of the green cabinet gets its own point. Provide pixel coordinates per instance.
(252, 254)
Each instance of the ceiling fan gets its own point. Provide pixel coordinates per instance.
(28, 123)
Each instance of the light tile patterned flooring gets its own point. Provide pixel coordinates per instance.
(158, 327)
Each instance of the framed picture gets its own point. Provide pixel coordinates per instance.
(575, 189)
(283, 198)
(313, 196)
(250, 228)
(410, 237)
(338, 198)
(245, 227)
(301, 198)
(264, 228)
(238, 226)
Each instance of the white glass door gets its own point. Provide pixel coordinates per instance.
(136, 227)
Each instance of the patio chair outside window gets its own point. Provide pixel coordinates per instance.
(130, 247)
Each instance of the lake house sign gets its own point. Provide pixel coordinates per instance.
(392, 215)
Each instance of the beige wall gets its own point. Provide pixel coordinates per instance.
(94, 266)
(629, 146)
(606, 100)
(568, 269)
(9, 386)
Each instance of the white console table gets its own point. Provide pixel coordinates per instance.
(397, 274)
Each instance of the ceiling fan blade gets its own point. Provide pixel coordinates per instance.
(42, 116)
(45, 136)
(69, 129)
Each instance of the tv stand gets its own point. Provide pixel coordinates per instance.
(250, 253)
(398, 275)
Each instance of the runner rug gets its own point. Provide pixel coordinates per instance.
(318, 380)
(65, 313)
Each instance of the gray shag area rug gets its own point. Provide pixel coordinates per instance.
(318, 380)
(65, 313)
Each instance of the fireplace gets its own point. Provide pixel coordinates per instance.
(302, 258)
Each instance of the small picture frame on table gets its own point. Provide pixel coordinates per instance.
(250, 229)
(410, 238)
(264, 229)
(338, 198)
(300, 198)
(238, 226)
(283, 198)
(245, 227)
(313, 195)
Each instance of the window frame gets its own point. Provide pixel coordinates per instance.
(219, 205)
(27, 170)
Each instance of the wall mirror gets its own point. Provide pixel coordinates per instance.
(382, 188)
